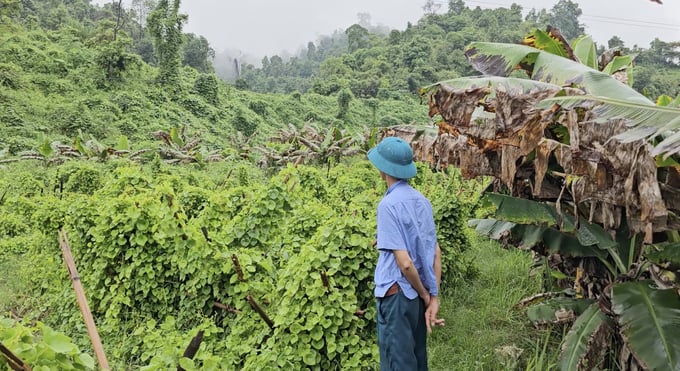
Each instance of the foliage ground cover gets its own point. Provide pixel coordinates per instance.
(158, 245)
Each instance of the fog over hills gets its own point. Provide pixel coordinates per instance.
(280, 27)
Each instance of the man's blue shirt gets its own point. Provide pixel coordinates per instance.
(405, 222)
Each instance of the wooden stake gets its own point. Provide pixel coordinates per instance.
(82, 302)
(14, 362)
(324, 280)
(259, 311)
(237, 266)
(226, 307)
(192, 349)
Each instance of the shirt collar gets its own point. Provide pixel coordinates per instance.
(393, 186)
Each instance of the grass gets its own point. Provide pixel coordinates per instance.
(8, 285)
(13, 286)
(483, 330)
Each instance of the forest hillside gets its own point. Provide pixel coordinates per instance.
(70, 68)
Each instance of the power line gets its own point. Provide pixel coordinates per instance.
(594, 18)
(671, 28)
(634, 20)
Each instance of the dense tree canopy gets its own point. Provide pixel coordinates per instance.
(372, 62)
(67, 49)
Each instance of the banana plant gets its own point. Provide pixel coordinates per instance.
(576, 154)
(310, 144)
(608, 96)
(601, 303)
(176, 147)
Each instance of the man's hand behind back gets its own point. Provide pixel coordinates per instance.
(431, 312)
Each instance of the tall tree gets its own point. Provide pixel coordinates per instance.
(565, 17)
(357, 37)
(456, 7)
(165, 25)
(142, 9)
(431, 7)
(198, 53)
(615, 42)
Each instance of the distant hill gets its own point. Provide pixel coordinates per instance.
(72, 67)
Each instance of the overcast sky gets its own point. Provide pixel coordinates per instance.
(267, 27)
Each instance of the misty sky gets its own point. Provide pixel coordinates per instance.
(267, 27)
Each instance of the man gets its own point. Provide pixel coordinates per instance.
(408, 272)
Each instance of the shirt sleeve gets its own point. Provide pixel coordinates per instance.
(427, 251)
(390, 236)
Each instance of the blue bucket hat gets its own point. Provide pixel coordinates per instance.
(394, 157)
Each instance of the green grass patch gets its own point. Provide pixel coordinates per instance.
(483, 329)
(12, 288)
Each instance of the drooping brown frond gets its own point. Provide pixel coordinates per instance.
(540, 153)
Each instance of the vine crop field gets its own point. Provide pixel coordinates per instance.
(275, 268)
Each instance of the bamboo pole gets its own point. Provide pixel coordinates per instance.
(82, 302)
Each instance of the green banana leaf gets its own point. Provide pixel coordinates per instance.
(83, 150)
(664, 254)
(665, 161)
(619, 62)
(501, 59)
(522, 211)
(530, 235)
(668, 101)
(533, 222)
(568, 245)
(556, 310)
(587, 340)
(650, 322)
(584, 50)
(593, 234)
(491, 228)
(176, 137)
(45, 149)
(123, 144)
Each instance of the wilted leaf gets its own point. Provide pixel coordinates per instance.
(549, 42)
(587, 340)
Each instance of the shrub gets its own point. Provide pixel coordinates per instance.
(10, 76)
(206, 86)
(85, 180)
(246, 123)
